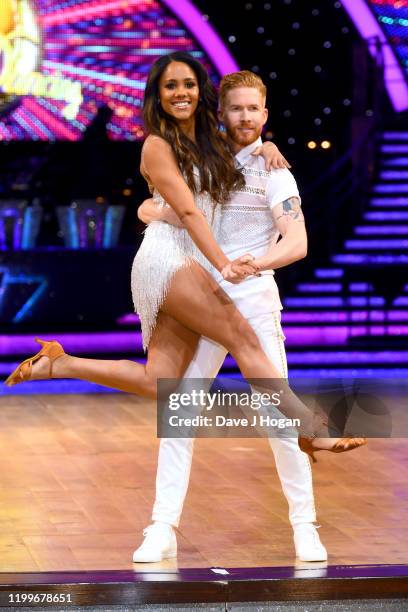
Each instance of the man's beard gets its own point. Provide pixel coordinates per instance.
(236, 135)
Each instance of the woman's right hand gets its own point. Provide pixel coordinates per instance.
(239, 269)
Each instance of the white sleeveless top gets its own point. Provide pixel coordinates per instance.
(164, 250)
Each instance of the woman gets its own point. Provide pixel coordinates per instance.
(189, 167)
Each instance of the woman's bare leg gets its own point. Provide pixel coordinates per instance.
(199, 303)
(171, 349)
(196, 300)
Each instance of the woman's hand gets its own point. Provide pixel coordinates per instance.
(272, 156)
(239, 269)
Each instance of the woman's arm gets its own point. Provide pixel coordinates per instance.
(272, 156)
(160, 165)
(148, 211)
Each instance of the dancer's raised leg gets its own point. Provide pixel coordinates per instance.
(196, 300)
(171, 349)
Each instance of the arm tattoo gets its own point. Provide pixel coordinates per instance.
(291, 207)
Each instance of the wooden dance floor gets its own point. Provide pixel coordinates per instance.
(77, 480)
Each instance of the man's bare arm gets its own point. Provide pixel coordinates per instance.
(290, 222)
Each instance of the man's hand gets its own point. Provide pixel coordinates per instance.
(239, 269)
(170, 217)
(272, 156)
(148, 211)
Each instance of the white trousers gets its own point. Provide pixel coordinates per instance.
(175, 454)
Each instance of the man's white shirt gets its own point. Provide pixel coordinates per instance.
(247, 226)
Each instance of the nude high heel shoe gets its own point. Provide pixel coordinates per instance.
(341, 446)
(22, 373)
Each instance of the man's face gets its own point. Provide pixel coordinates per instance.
(244, 115)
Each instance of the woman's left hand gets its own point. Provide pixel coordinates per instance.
(272, 156)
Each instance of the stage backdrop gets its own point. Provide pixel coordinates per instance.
(62, 60)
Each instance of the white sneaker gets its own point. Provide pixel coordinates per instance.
(159, 543)
(307, 543)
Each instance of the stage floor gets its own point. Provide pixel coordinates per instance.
(77, 482)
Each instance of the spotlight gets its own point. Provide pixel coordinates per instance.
(311, 144)
(326, 144)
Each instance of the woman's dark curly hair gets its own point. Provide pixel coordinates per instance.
(210, 153)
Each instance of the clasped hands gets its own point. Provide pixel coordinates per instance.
(237, 270)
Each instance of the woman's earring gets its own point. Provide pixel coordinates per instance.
(157, 100)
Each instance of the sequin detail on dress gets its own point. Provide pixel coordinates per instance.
(164, 250)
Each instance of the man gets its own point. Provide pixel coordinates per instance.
(252, 220)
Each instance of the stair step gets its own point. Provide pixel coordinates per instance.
(328, 273)
(345, 316)
(391, 175)
(389, 135)
(319, 287)
(76, 343)
(402, 300)
(360, 287)
(388, 215)
(391, 188)
(334, 302)
(394, 148)
(333, 287)
(376, 245)
(395, 161)
(340, 335)
(356, 371)
(387, 230)
(348, 357)
(369, 259)
(390, 201)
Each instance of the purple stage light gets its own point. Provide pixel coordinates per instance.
(394, 149)
(360, 287)
(395, 136)
(319, 287)
(325, 302)
(356, 372)
(347, 357)
(321, 273)
(55, 387)
(402, 300)
(345, 317)
(390, 201)
(386, 230)
(394, 188)
(396, 161)
(95, 342)
(377, 244)
(365, 259)
(369, 28)
(391, 175)
(313, 302)
(386, 216)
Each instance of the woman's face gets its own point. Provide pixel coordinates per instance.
(178, 91)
